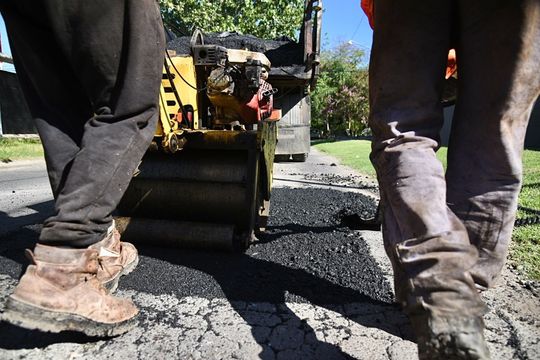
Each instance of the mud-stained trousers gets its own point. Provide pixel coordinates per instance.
(448, 235)
(90, 72)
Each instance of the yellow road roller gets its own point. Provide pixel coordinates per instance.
(205, 181)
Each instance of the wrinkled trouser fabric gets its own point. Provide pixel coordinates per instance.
(444, 234)
(90, 71)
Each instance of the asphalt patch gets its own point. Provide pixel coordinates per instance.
(306, 255)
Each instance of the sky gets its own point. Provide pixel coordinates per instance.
(343, 21)
(5, 46)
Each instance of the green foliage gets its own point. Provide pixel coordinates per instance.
(265, 19)
(340, 101)
(525, 249)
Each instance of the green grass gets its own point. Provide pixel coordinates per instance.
(353, 153)
(525, 248)
(16, 149)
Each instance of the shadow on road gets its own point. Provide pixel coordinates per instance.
(10, 224)
(15, 236)
(240, 278)
(243, 278)
(16, 338)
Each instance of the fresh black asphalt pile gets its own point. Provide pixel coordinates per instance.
(285, 54)
(307, 254)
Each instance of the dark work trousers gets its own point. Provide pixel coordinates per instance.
(90, 71)
(448, 235)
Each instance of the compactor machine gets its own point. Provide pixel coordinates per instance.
(205, 181)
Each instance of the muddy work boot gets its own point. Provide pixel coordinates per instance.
(116, 258)
(451, 338)
(60, 291)
(437, 292)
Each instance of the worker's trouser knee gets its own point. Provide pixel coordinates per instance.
(90, 71)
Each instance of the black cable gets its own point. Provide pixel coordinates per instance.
(174, 26)
(175, 92)
(174, 67)
(181, 77)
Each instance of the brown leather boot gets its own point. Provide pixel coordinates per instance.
(60, 291)
(116, 258)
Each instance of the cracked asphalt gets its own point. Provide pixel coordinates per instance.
(310, 288)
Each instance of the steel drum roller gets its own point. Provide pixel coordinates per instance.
(196, 197)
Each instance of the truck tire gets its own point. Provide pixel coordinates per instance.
(281, 158)
(300, 157)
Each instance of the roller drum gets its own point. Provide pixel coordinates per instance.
(191, 201)
(177, 234)
(201, 198)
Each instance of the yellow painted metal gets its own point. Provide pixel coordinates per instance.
(168, 104)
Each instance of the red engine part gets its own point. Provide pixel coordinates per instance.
(188, 110)
(261, 104)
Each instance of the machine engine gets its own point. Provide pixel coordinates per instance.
(206, 180)
(236, 86)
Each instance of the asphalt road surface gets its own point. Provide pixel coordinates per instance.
(312, 287)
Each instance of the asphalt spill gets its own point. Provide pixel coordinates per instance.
(306, 255)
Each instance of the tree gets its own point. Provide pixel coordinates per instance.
(265, 19)
(340, 101)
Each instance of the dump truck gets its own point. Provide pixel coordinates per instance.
(206, 180)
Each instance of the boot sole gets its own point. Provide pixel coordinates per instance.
(35, 318)
(112, 284)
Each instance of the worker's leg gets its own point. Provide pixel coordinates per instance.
(57, 101)
(499, 80)
(428, 245)
(113, 54)
(115, 50)
(428, 242)
(122, 79)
